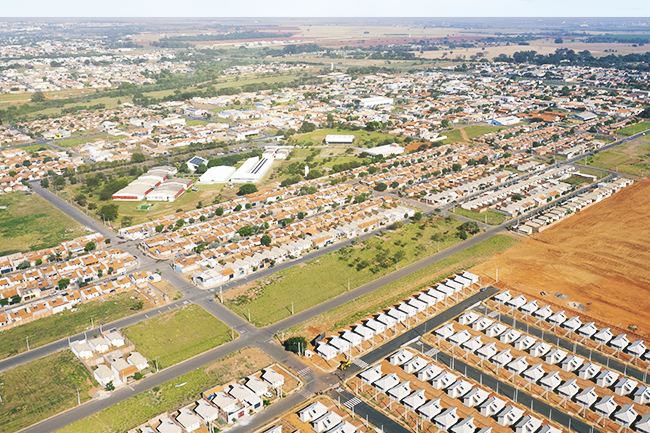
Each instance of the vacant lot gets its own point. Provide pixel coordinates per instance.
(53, 328)
(362, 138)
(632, 158)
(489, 217)
(31, 223)
(178, 335)
(318, 280)
(599, 257)
(368, 304)
(634, 129)
(42, 388)
(167, 398)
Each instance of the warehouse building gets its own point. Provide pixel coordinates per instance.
(170, 190)
(143, 185)
(386, 150)
(375, 101)
(220, 174)
(252, 170)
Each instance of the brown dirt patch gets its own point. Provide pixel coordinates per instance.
(241, 363)
(600, 258)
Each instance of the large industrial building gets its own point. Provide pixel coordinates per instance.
(375, 101)
(386, 150)
(143, 185)
(252, 170)
(169, 190)
(219, 174)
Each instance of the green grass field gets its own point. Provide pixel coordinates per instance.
(490, 217)
(327, 276)
(390, 294)
(632, 158)
(178, 335)
(35, 148)
(136, 410)
(362, 138)
(53, 328)
(31, 223)
(476, 130)
(196, 122)
(634, 129)
(42, 388)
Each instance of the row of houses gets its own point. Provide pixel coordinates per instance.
(568, 382)
(222, 404)
(546, 218)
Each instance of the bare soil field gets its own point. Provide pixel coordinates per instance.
(599, 258)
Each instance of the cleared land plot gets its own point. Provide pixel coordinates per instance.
(167, 398)
(48, 329)
(366, 305)
(634, 129)
(42, 388)
(490, 217)
(31, 223)
(196, 122)
(178, 335)
(632, 157)
(318, 280)
(35, 148)
(476, 130)
(599, 257)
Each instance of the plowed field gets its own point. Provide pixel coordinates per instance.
(599, 258)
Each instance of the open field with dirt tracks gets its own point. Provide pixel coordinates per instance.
(599, 258)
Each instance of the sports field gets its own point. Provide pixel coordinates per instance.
(599, 258)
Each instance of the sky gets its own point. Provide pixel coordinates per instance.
(328, 8)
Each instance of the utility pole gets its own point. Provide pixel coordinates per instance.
(292, 308)
(78, 398)
(27, 339)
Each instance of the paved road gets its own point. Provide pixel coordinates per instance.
(515, 394)
(366, 412)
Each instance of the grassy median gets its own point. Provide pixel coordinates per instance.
(390, 294)
(270, 299)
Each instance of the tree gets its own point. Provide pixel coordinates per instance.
(137, 158)
(38, 262)
(301, 215)
(219, 211)
(445, 123)
(180, 222)
(45, 183)
(38, 97)
(160, 228)
(456, 167)
(63, 283)
(24, 265)
(245, 231)
(417, 216)
(137, 375)
(247, 188)
(110, 271)
(296, 345)
(470, 227)
(381, 186)
(4, 301)
(108, 212)
(90, 246)
(558, 40)
(266, 240)
(109, 386)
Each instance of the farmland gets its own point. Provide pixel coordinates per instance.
(391, 293)
(31, 223)
(53, 328)
(136, 410)
(178, 335)
(323, 278)
(35, 391)
(599, 258)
